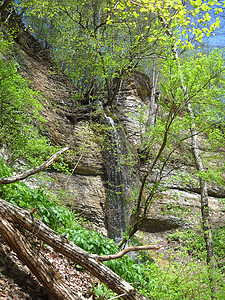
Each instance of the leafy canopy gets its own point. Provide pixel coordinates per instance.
(95, 42)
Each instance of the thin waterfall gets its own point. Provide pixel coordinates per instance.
(116, 199)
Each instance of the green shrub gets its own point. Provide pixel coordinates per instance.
(54, 214)
(22, 131)
(193, 242)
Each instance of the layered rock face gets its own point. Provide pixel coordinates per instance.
(68, 124)
(179, 205)
(86, 188)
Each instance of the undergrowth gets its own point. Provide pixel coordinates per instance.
(175, 281)
(192, 241)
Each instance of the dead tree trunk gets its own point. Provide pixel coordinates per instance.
(26, 220)
(39, 266)
(33, 171)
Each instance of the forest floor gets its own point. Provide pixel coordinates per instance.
(17, 282)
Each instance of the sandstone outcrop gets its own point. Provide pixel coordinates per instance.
(179, 205)
(70, 123)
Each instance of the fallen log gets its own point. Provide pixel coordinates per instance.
(38, 265)
(59, 243)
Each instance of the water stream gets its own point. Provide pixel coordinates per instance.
(116, 206)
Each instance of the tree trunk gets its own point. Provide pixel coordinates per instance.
(199, 166)
(204, 205)
(26, 220)
(39, 266)
(155, 78)
(138, 215)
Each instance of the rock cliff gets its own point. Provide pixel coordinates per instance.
(83, 127)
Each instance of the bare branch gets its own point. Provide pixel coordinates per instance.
(117, 297)
(125, 251)
(35, 170)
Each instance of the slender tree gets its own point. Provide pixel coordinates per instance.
(182, 97)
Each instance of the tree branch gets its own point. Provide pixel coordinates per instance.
(30, 172)
(123, 252)
(4, 4)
